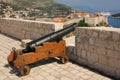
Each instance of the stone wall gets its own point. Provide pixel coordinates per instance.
(96, 20)
(98, 48)
(92, 20)
(76, 20)
(27, 29)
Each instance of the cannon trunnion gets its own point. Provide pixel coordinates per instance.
(48, 46)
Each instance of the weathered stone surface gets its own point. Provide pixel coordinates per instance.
(116, 36)
(118, 73)
(23, 29)
(117, 47)
(101, 51)
(103, 59)
(105, 34)
(100, 42)
(114, 63)
(83, 54)
(102, 47)
(113, 54)
(92, 57)
(95, 34)
(91, 41)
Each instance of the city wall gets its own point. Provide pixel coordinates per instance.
(95, 47)
(76, 20)
(98, 48)
(27, 29)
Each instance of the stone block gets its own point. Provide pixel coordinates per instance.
(81, 61)
(35, 35)
(116, 36)
(105, 69)
(95, 33)
(70, 50)
(113, 54)
(109, 70)
(83, 54)
(99, 67)
(73, 57)
(101, 51)
(19, 34)
(103, 59)
(111, 44)
(118, 73)
(78, 52)
(86, 47)
(27, 35)
(117, 46)
(89, 32)
(77, 39)
(93, 49)
(100, 42)
(84, 39)
(92, 57)
(81, 31)
(79, 46)
(105, 35)
(114, 63)
(91, 41)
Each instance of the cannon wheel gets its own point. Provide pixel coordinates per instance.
(64, 59)
(24, 70)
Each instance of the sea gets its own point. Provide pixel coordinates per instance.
(114, 22)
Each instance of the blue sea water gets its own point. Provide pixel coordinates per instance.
(114, 22)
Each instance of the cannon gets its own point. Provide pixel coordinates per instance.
(49, 46)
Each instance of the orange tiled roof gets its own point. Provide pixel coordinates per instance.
(81, 14)
(60, 19)
(94, 15)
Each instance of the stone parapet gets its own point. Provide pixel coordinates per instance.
(99, 48)
(27, 29)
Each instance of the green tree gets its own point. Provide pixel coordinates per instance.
(82, 23)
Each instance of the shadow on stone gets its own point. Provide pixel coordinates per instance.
(13, 69)
(93, 70)
(43, 62)
(36, 64)
(7, 65)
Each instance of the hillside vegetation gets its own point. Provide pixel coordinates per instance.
(30, 3)
(116, 15)
(49, 8)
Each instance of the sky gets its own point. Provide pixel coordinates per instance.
(100, 5)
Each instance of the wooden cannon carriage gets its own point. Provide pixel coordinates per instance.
(48, 46)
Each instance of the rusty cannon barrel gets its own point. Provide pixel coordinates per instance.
(54, 36)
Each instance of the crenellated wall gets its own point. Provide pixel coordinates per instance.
(27, 29)
(98, 48)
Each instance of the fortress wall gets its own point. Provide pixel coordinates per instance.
(27, 29)
(98, 48)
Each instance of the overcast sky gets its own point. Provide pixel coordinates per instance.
(95, 4)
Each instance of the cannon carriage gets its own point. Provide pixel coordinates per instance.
(49, 46)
